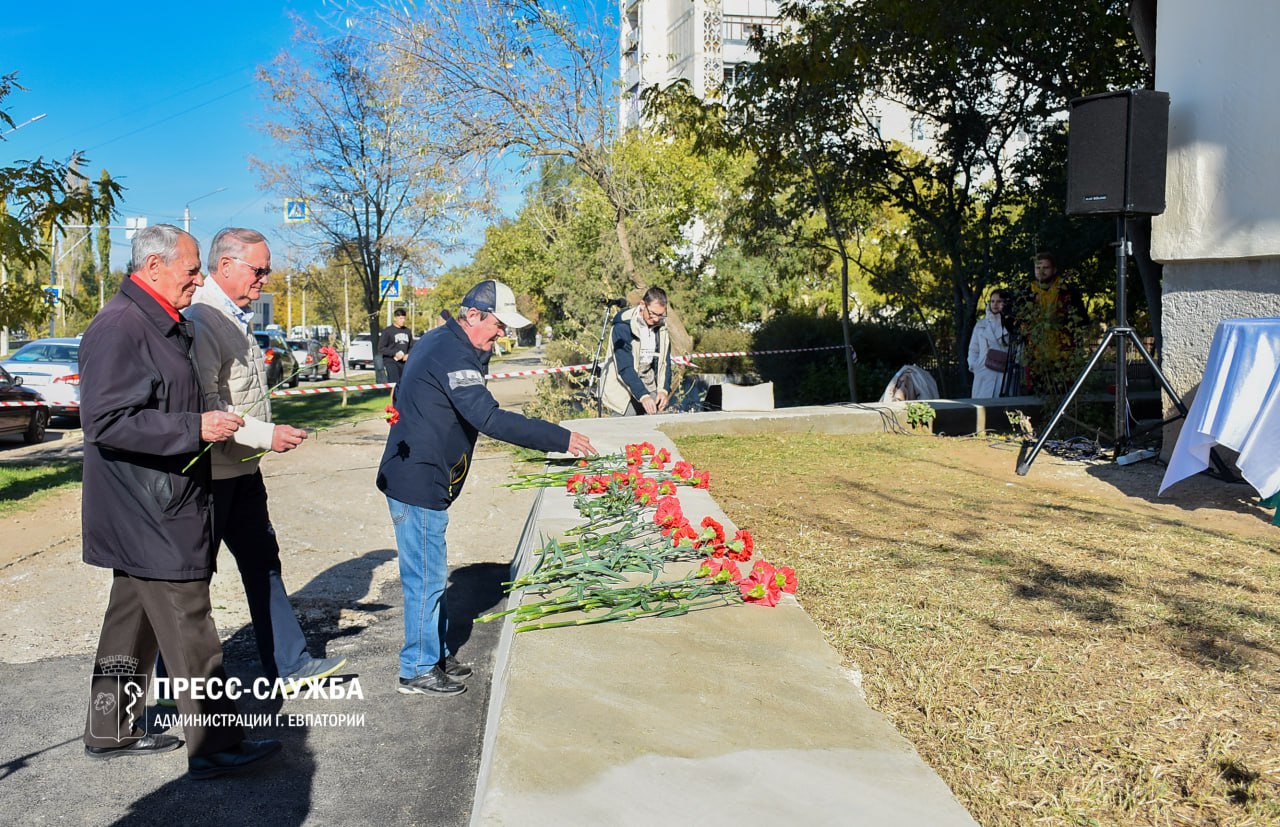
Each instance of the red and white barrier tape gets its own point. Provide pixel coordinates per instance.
(25, 404)
(682, 360)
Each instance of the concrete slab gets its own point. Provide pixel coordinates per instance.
(737, 715)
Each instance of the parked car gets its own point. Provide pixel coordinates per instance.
(360, 352)
(311, 362)
(51, 368)
(28, 420)
(277, 356)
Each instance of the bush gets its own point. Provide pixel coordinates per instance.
(721, 340)
(819, 377)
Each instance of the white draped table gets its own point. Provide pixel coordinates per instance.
(1237, 406)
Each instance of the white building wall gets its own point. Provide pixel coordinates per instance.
(662, 41)
(1219, 238)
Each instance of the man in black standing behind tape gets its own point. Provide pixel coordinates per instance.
(394, 344)
(146, 515)
(442, 406)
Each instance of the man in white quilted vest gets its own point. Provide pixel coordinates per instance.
(233, 377)
(636, 379)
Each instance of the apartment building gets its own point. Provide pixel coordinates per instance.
(701, 41)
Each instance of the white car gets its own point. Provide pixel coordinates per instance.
(360, 352)
(51, 367)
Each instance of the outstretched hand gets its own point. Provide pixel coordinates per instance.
(579, 445)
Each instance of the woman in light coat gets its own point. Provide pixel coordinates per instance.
(988, 334)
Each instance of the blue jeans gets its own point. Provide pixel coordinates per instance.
(424, 570)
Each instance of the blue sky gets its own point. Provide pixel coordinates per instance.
(163, 96)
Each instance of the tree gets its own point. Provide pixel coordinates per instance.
(521, 76)
(367, 150)
(987, 81)
(38, 199)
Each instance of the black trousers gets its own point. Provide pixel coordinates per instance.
(241, 520)
(394, 368)
(176, 618)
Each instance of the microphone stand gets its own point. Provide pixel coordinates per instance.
(596, 390)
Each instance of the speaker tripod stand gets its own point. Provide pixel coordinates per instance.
(1122, 336)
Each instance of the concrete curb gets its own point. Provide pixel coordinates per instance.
(740, 715)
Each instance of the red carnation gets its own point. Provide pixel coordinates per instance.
(741, 546)
(683, 535)
(391, 414)
(786, 577)
(720, 570)
(702, 479)
(712, 533)
(682, 470)
(576, 483)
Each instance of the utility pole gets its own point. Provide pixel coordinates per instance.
(186, 211)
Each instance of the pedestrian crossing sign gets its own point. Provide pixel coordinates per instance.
(295, 211)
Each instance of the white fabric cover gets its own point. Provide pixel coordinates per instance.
(1237, 406)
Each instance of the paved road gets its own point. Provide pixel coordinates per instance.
(398, 760)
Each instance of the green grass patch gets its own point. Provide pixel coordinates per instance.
(325, 410)
(23, 486)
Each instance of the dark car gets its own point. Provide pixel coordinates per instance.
(278, 357)
(29, 419)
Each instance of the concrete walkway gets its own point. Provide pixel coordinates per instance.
(737, 715)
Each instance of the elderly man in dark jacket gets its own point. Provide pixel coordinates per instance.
(146, 514)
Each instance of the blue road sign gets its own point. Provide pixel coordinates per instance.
(389, 288)
(55, 294)
(295, 211)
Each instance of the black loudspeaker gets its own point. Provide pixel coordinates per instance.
(1116, 153)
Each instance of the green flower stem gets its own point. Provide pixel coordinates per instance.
(255, 404)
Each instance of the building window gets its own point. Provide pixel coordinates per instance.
(734, 73)
(739, 28)
(917, 129)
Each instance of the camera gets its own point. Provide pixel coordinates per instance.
(613, 302)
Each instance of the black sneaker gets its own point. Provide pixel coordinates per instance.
(146, 745)
(455, 668)
(435, 682)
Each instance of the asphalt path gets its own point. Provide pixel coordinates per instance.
(380, 758)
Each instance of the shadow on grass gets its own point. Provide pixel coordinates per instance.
(324, 410)
(17, 482)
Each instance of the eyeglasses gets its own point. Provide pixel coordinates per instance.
(258, 272)
(657, 317)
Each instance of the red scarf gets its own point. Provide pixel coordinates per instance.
(168, 308)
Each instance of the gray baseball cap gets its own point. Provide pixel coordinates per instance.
(494, 297)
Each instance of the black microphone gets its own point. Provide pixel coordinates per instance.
(613, 302)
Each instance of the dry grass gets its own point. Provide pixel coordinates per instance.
(1059, 655)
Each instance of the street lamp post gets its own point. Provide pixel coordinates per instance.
(186, 211)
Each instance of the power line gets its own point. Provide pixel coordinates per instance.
(169, 118)
(149, 105)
